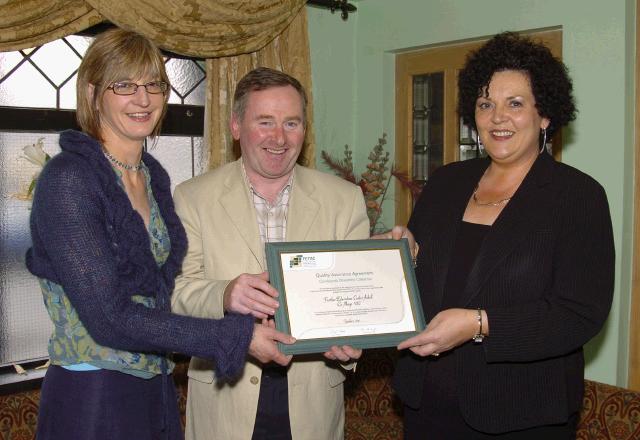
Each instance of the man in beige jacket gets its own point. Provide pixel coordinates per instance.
(229, 213)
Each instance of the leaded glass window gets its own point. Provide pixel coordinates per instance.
(37, 99)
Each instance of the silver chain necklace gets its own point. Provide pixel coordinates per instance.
(122, 165)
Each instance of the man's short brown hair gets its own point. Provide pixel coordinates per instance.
(263, 78)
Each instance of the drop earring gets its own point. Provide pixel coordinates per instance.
(544, 140)
(479, 145)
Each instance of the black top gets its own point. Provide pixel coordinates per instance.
(440, 380)
(544, 273)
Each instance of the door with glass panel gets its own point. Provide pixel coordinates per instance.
(429, 132)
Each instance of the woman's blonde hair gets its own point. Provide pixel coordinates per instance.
(115, 55)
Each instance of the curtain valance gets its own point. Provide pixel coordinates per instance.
(202, 28)
(234, 35)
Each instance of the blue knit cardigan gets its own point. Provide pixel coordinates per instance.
(87, 238)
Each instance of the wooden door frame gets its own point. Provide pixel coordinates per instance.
(440, 59)
(633, 377)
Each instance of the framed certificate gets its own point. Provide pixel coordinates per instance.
(361, 293)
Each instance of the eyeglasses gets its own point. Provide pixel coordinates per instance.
(129, 88)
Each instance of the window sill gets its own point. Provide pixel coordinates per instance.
(8, 374)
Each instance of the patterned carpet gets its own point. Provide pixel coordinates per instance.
(609, 412)
(371, 409)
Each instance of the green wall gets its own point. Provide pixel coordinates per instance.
(353, 89)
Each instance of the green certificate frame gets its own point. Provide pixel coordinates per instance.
(361, 293)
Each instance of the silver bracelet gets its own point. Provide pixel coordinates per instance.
(479, 337)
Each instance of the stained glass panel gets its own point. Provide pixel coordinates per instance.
(428, 114)
(177, 154)
(48, 59)
(9, 60)
(186, 76)
(79, 43)
(26, 87)
(24, 324)
(68, 94)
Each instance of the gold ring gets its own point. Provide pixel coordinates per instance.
(435, 354)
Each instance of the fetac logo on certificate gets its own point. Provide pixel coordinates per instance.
(315, 260)
(357, 292)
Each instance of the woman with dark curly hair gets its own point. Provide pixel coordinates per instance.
(516, 263)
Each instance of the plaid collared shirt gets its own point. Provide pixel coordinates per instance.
(272, 218)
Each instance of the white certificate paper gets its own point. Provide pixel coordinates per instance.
(346, 293)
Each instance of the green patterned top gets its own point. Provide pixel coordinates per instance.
(70, 343)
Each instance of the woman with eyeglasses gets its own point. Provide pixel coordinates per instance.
(107, 245)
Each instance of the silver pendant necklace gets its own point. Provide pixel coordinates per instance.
(122, 165)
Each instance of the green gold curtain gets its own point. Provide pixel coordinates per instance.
(29, 23)
(288, 52)
(234, 36)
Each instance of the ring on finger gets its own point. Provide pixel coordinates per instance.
(434, 354)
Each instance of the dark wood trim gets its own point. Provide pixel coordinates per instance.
(183, 120)
(20, 387)
(34, 119)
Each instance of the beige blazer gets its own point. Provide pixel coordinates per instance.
(224, 241)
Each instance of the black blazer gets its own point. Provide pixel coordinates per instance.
(544, 274)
